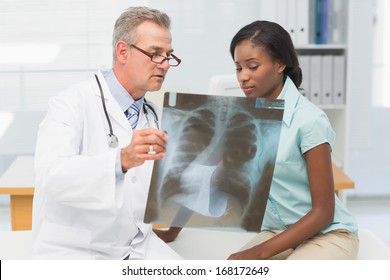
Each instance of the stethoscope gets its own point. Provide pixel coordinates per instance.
(112, 139)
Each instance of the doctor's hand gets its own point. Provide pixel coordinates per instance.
(146, 144)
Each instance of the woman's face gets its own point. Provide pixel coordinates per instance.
(258, 74)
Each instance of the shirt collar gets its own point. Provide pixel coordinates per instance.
(120, 94)
(291, 95)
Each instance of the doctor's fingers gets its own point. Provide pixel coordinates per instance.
(152, 136)
(147, 131)
(135, 155)
(151, 142)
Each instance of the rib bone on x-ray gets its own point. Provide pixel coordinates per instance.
(219, 162)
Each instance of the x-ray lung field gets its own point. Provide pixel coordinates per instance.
(219, 163)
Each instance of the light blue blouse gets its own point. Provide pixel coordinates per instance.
(304, 127)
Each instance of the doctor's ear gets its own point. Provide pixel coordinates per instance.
(122, 51)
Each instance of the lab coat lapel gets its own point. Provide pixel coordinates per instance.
(117, 117)
(115, 113)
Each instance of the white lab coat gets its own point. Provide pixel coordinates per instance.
(80, 211)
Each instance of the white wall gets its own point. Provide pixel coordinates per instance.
(370, 166)
(369, 133)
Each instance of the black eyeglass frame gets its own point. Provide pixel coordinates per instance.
(164, 58)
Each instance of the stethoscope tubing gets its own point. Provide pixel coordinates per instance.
(113, 140)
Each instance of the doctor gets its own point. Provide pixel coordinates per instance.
(92, 168)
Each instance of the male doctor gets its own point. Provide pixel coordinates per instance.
(96, 148)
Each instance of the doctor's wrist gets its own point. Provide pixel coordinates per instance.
(125, 160)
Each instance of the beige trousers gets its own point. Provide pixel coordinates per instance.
(334, 245)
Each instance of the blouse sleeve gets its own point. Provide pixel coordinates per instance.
(316, 132)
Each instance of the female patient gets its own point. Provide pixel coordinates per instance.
(304, 219)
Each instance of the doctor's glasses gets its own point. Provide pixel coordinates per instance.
(159, 59)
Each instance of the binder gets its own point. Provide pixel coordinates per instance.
(315, 79)
(318, 21)
(304, 63)
(292, 15)
(283, 13)
(312, 21)
(332, 22)
(275, 11)
(291, 19)
(302, 21)
(327, 79)
(337, 21)
(324, 21)
(339, 79)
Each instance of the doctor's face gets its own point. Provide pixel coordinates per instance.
(140, 73)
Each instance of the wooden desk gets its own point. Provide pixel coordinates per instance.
(18, 182)
(341, 180)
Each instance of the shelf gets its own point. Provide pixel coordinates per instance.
(332, 107)
(321, 47)
(320, 50)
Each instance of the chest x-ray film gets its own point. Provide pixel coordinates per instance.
(219, 163)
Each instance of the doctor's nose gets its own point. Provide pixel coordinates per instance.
(165, 65)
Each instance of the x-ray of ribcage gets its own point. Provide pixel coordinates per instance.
(219, 163)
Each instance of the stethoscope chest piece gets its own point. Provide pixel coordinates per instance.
(112, 141)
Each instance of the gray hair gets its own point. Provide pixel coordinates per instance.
(125, 28)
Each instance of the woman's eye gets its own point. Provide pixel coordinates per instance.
(253, 67)
(238, 69)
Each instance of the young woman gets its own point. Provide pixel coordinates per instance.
(304, 219)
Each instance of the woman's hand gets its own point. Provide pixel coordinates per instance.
(249, 254)
(168, 235)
